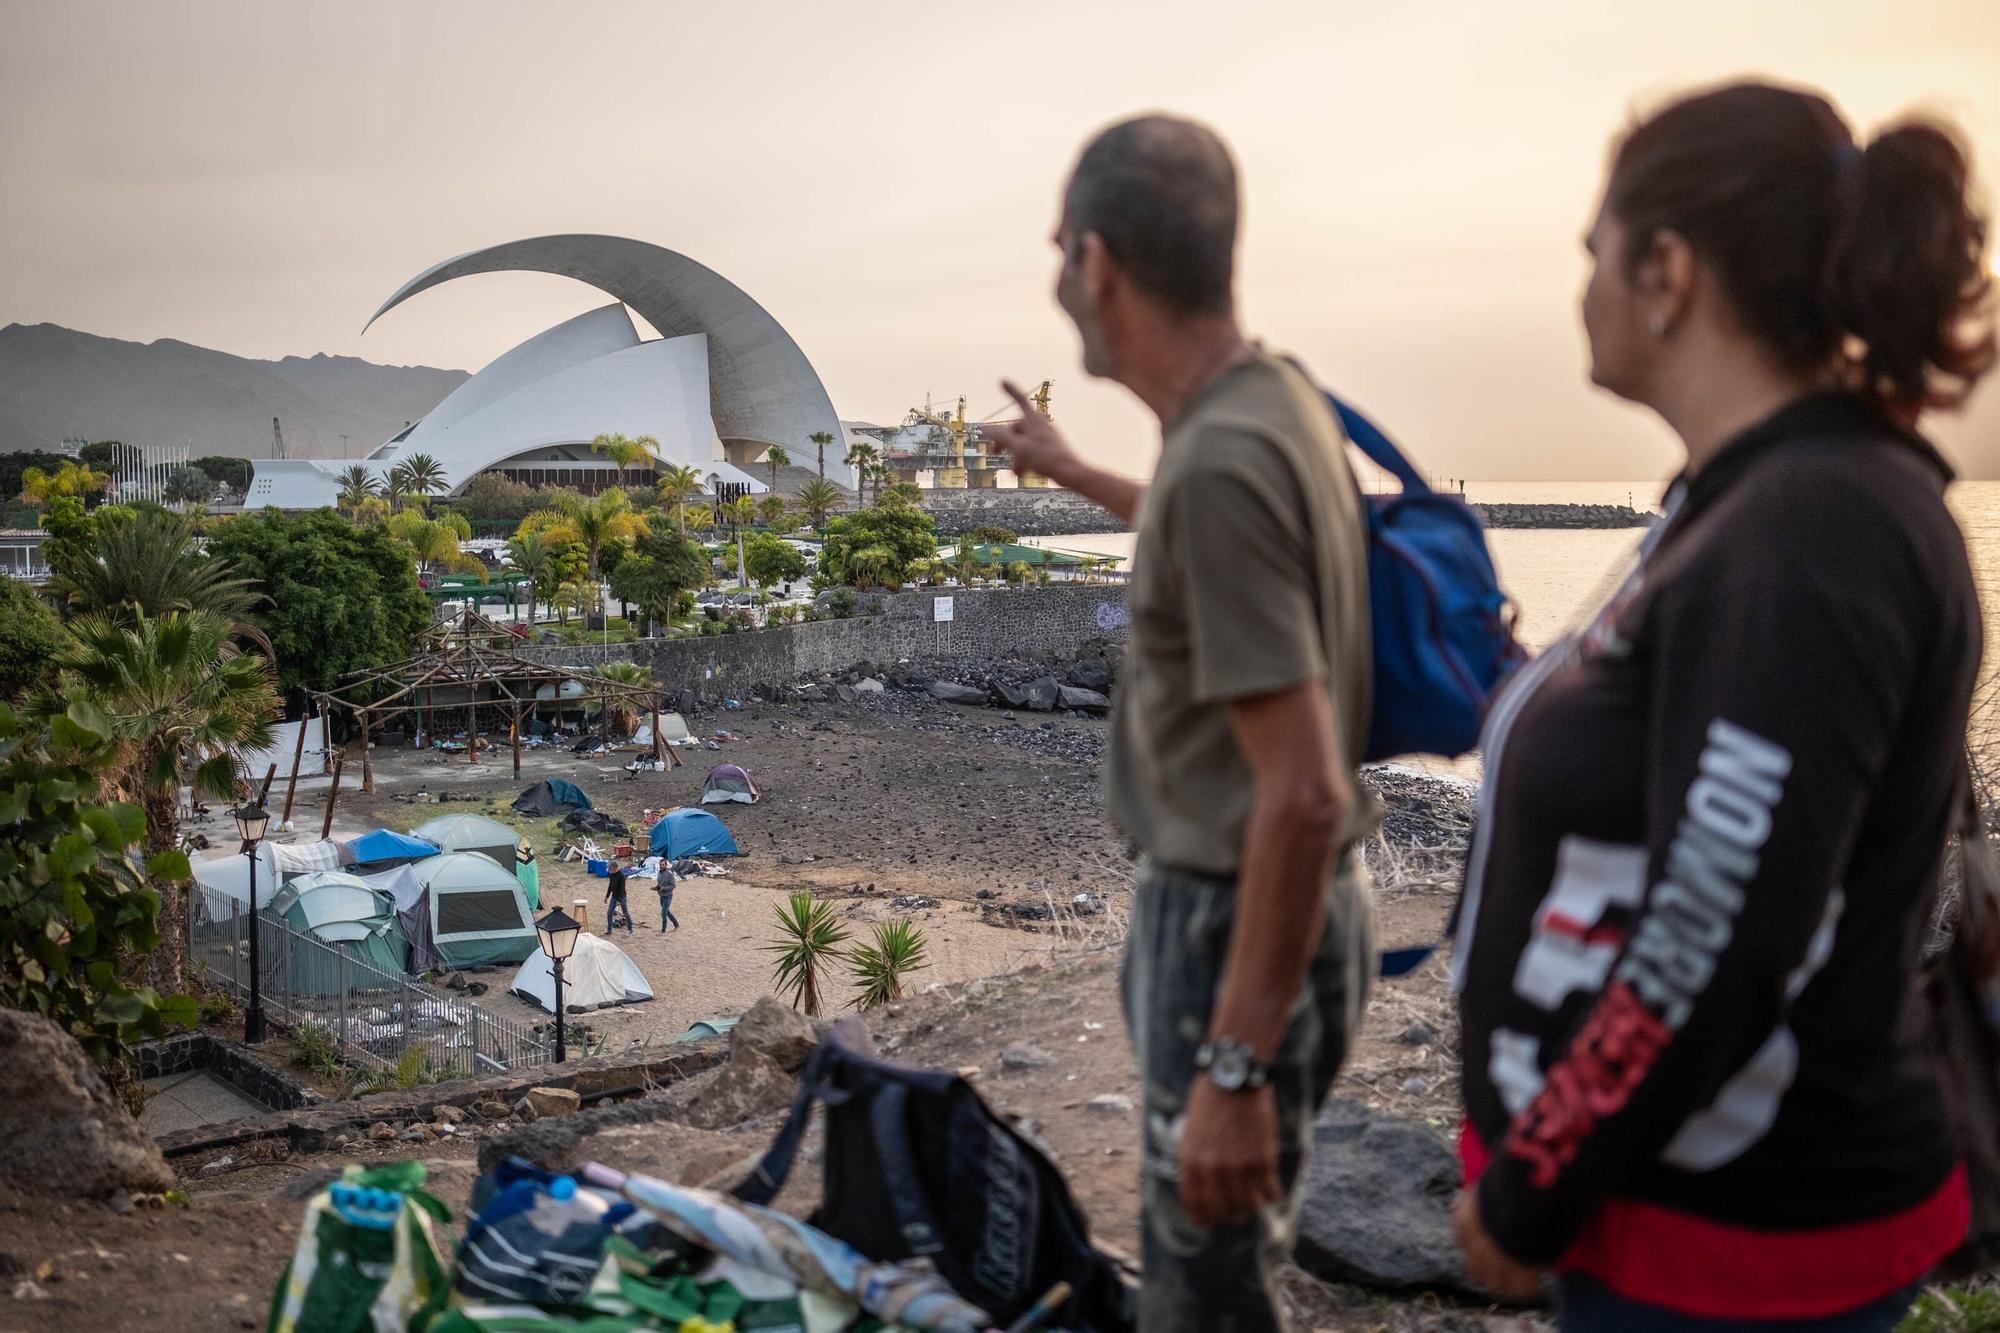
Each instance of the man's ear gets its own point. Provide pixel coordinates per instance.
(1099, 271)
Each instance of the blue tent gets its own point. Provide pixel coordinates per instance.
(385, 845)
(692, 833)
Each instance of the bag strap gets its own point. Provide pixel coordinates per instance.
(762, 1185)
(1376, 447)
(914, 1220)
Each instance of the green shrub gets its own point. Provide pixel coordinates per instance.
(808, 946)
(1967, 1309)
(882, 965)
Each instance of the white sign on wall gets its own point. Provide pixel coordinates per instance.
(941, 608)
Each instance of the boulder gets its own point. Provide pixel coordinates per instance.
(546, 1102)
(1091, 673)
(63, 1132)
(1021, 1056)
(775, 1030)
(1375, 1204)
(1043, 694)
(1084, 701)
(845, 693)
(953, 693)
(869, 685)
(750, 1085)
(1010, 696)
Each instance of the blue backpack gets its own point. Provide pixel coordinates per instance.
(1443, 637)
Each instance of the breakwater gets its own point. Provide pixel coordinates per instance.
(1055, 513)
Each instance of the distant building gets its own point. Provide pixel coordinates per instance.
(723, 380)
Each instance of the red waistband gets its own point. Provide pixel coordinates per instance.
(1699, 1266)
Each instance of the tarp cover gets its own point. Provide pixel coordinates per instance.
(297, 858)
(688, 832)
(413, 911)
(727, 782)
(388, 845)
(597, 976)
(478, 912)
(552, 797)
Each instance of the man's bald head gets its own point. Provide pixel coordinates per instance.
(1161, 193)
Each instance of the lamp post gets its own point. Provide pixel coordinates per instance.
(251, 821)
(558, 931)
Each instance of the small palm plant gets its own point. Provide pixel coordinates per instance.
(880, 967)
(808, 946)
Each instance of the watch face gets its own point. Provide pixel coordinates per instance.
(1230, 1067)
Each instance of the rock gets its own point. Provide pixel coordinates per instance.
(1109, 1103)
(447, 1114)
(1025, 1057)
(417, 1133)
(954, 693)
(454, 980)
(775, 1030)
(1010, 696)
(1419, 1034)
(750, 1085)
(1042, 695)
(547, 1102)
(1375, 1204)
(491, 1109)
(1083, 701)
(62, 1131)
(845, 693)
(869, 685)
(382, 1131)
(524, 1110)
(218, 1166)
(1092, 673)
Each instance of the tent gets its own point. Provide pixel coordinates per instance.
(357, 921)
(551, 797)
(727, 782)
(673, 730)
(688, 832)
(384, 849)
(413, 910)
(597, 976)
(478, 912)
(229, 874)
(472, 833)
(708, 1027)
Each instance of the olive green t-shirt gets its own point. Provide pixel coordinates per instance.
(1249, 575)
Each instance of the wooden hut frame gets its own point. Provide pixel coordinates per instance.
(476, 664)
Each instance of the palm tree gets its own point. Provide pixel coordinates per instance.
(70, 479)
(149, 564)
(820, 440)
(808, 945)
(181, 699)
(625, 452)
(624, 712)
(422, 476)
(605, 517)
(677, 483)
(776, 459)
(818, 498)
(531, 553)
(357, 484)
(880, 967)
(434, 541)
(862, 456)
(771, 509)
(870, 565)
(188, 485)
(698, 519)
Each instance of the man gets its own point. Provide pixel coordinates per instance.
(615, 903)
(664, 886)
(1238, 722)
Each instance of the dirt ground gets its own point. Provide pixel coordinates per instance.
(864, 804)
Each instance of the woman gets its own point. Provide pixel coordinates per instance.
(1697, 1083)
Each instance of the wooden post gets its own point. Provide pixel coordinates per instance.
(332, 794)
(658, 744)
(298, 757)
(430, 723)
(516, 738)
(604, 716)
(367, 764)
(264, 792)
(472, 729)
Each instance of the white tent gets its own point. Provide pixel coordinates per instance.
(673, 730)
(229, 874)
(597, 976)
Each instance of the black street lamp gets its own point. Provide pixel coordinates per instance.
(558, 931)
(251, 821)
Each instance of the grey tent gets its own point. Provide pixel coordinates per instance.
(553, 796)
(472, 833)
(478, 912)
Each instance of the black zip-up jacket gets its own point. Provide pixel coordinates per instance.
(1695, 1063)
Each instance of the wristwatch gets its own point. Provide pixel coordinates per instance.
(1230, 1064)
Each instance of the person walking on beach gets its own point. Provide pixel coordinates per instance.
(1699, 1080)
(1237, 725)
(664, 886)
(615, 904)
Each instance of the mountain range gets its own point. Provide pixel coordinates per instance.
(58, 383)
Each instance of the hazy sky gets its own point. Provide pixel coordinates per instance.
(257, 177)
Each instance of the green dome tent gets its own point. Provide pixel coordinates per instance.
(343, 912)
(478, 912)
(472, 833)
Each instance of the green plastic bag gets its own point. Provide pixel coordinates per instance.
(367, 1259)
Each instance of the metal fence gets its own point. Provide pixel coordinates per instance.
(377, 1016)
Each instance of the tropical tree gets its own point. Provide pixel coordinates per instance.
(992, 534)
(624, 708)
(419, 475)
(30, 638)
(605, 517)
(818, 498)
(881, 966)
(232, 474)
(568, 597)
(808, 946)
(357, 484)
(181, 700)
(531, 554)
(820, 440)
(862, 456)
(665, 564)
(775, 459)
(771, 560)
(678, 483)
(72, 480)
(1018, 572)
(434, 542)
(876, 547)
(188, 485)
(625, 452)
(698, 519)
(148, 562)
(771, 511)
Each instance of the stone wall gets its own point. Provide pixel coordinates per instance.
(986, 623)
(1564, 516)
(1030, 513)
(189, 1051)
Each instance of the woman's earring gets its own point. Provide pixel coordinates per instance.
(1657, 325)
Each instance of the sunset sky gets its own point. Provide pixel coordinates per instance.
(257, 177)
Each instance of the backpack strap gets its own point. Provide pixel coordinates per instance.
(762, 1185)
(1369, 439)
(899, 1171)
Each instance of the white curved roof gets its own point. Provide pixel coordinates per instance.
(762, 387)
